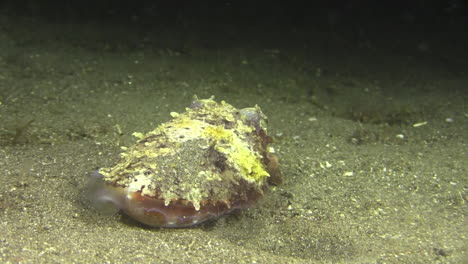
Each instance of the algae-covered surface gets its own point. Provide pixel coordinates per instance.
(370, 126)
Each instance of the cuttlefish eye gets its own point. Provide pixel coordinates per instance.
(254, 117)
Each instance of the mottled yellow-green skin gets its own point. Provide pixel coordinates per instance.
(212, 152)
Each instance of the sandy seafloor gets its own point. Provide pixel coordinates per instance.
(371, 130)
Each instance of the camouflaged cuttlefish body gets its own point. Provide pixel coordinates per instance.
(203, 163)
